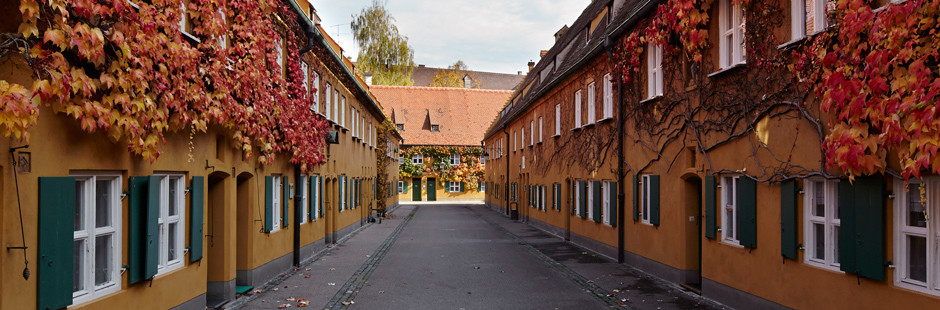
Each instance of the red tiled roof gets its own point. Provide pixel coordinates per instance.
(462, 114)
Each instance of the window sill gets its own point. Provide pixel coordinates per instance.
(792, 43)
(189, 36)
(651, 99)
(588, 125)
(728, 69)
(606, 119)
(576, 129)
(557, 136)
(732, 243)
(822, 266)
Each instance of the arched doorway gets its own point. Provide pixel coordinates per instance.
(220, 240)
(692, 202)
(245, 200)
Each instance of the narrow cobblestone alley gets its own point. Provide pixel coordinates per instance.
(440, 256)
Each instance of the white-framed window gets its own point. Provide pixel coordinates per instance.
(223, 40)
(401, 187)
(417, 159)
(577, 197)
(731, 26)
(304, 200)
(482, 187)
(557, 119)
(317, 183)
(342, 109)
(279, 46)
(522, 139)
(328, 94)
(917, 236)
(186, 24)
(276, 192)
(591, 108)
(645, 199)
(577, 109)
(808, 17)
(171, 223)
(605, 192)
(821, 222)
(513, 189)
(304, 69)
(542, 198)
(514, 142)
(590, 199)
(540, 129)
(729, 208)
(523, 161)
(336, 112)
(454, 159)
(97, 236)
(531, 133)
(401, 159)
(316, 96)
(654, 65)
(483, 160)
(608, 97)
(454, 187)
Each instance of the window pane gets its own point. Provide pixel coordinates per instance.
(835, 245)
(102, 259)
(174, 182)
(729, 223)
(79, 205)
(819, 241)
(102, 203)
(915, 210)
(819, 197)
(78, 251)
(917, 258)
(172, 246)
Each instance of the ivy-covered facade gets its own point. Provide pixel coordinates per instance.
(441, 172)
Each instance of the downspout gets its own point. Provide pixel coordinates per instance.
(298, 213)
(507, 171)
(620, 157)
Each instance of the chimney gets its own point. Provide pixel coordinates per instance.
(542, 54)
(519, 73)
(531, 65)
(420, 66)
(561, 32)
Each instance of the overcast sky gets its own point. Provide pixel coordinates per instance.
(488, 35)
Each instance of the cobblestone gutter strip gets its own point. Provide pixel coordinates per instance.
(344, 298)
(578, 279)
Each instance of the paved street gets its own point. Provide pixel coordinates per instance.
(464, 257)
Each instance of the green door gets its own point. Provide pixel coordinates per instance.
(416, 189)
(432, 189)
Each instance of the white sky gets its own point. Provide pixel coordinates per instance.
(488, 35)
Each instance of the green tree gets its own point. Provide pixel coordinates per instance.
(382, 49)
(453, 76)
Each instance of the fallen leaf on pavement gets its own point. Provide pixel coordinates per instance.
(307, 277)
(257, 291)
(331, 284)
(616, 291)
(331, 269)
(291, 299)
(274, 289)
(284, 306)
(381, 292)
(308, 269)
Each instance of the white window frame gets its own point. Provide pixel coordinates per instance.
(304, 200)
(540, 129)
(316, 95)
(336, 113)
(482, 187)
(316, 203)
(277, 191)
(401, 187)
(577, 109)
(454, 159)
(522, 138)
(185, 22)
(590, 199)
(606, 207)
(591, 108)
(799, 18)
(731, 42)
(454, 187)
(608, 97)
(417, 159)
(89, 235)
(729, 186)
(654, 65)
(931, 233)
(223, 40)
(531, 133)
(401, 159)
(342, 109)
(645, 199)
(577, 197)
(829, 220)
(279, 42)
(328, 94)
(165, 263)
(558, 120)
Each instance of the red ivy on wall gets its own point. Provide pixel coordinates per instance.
(126, 68)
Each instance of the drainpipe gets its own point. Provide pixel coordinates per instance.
(298, 213)
(620, 155)
(507, 172)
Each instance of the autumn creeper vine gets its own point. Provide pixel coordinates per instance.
(126, 68)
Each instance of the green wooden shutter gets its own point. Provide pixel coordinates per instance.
(268, 204)
(404, 187)
(573, 204)
(320, 192)
(788, 214)
(558, 197)
(582, 201)
(196, 224)
(285, 196)
(636, 198)
(598, 201)
(710, 218)
(341, 189)
(56, 234)
(462, 188)
(747, 211)
(447, 186)
(654, 200)
(861, 240)
(313, 197)
(143, 242)
(614, 200)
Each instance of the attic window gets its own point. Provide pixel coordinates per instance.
(435, 128)
(467, 81)
(400, 127)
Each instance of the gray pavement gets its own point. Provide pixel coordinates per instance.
(465, 256)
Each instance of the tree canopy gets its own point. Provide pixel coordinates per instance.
(453, 76)
(382, 49)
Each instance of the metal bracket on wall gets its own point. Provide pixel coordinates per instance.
(209, 167)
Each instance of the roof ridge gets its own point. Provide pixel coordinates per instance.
(443, 89)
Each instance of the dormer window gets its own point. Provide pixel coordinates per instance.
(454, 159)
(400, 127)
(435, 128)
(467, 81)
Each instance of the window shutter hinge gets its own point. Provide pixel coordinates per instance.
(124, 194)
(187, 190)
